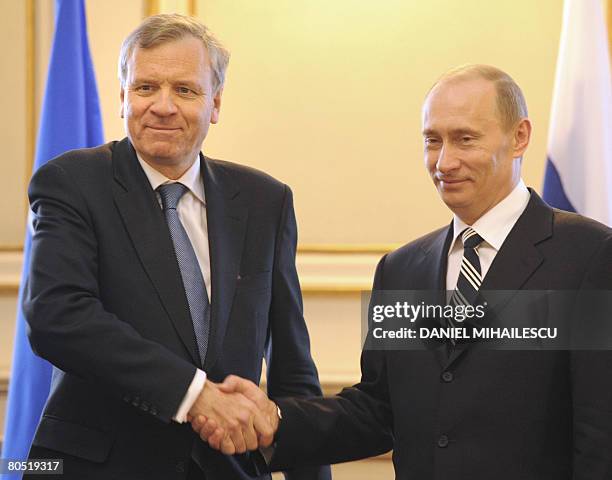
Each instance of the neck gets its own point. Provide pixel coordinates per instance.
(173, 172)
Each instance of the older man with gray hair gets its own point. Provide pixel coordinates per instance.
(156, 272)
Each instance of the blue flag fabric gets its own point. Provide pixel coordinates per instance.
(578, 173)
(70, 119)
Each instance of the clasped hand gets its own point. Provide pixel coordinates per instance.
(234, 416)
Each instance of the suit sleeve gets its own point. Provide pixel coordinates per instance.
(356, 423)
(290, 368)
(68, 324)
(590, 374)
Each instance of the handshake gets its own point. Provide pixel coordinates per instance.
(234, 416)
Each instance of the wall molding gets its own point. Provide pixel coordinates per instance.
(348, 248)
(192, 8)
(153, 7)
(9, 288)
(4, 382)
(10, 271)
(324, 271)
(150, 7)
(11, 248)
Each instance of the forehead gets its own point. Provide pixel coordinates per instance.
(460, 101)
(185, 57)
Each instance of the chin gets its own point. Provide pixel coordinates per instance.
(451, 196)
(165, 155)
(455, 200)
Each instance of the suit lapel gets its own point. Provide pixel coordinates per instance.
(147, 228)
(516, 261)
(432, 276)
(518, 257)
(434, 259)
(227, 220)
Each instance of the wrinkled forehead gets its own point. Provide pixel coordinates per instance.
(460, 97)
(188, 50)
(182, 59)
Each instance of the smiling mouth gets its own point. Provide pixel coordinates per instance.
(162, 129)
(451, 181)
(452, 185)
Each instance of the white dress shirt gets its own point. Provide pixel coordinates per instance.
(494, 226)
(192, 213)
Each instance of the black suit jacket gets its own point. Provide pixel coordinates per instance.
(478, 414)
(105, 305)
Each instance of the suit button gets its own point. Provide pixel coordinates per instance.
(443, 441)
(179, 466)
(153, 411)
(447, 377)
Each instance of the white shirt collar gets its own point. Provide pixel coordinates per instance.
(495, 225)
(191, 178)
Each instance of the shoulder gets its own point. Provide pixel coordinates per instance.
(574, 228)
(250, 181)
(419, 246)
(404, 267)
(86, 167)
(79, 163)
(244, 175)
(587, 244)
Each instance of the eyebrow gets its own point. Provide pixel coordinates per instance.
(455, 132)
(187, 83)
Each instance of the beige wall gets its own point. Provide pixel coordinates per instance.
(327, 95)
(324, 95)
(13, 71)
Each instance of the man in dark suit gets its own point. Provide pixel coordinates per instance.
(155, 273)
(457, 411)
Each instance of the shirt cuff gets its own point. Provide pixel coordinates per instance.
(197, 384)
(267, 453)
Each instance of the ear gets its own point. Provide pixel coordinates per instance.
(214, 115)
(522, 135)
(122, 98)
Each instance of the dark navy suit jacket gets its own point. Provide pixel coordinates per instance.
(106, 306)
(478, 414)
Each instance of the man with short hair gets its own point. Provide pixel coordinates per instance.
(457, 411)
(155, 273)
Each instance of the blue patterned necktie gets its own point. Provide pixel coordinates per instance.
(193, 281)
(470, 277)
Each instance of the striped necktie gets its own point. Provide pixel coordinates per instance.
(193, 282)
(470, 277)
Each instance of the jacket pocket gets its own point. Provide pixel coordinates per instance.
(73, 439)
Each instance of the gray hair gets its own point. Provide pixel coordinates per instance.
(510, 99)
(163, 28)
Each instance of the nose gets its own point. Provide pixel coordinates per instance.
(447, 160)
(164, 103)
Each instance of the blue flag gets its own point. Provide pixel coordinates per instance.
(70, 119)
(579, 167)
